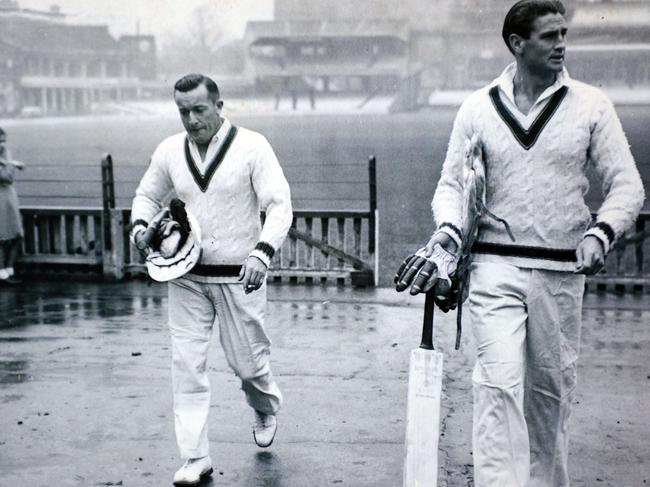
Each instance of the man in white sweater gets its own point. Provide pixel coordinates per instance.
(539, 131)
(225, 175)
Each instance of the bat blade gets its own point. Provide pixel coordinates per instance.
(423, 419)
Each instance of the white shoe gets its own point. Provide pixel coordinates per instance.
(193, 471)
(264, 429)
(4, 274)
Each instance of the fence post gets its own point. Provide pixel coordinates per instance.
(113, 258)
(372, 186)
(112, 225)
(108, 198)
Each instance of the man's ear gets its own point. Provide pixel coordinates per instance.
(219, 104)
(516, 43)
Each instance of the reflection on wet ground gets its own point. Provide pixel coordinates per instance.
(72, 304)
(85, 390)
(13, 371)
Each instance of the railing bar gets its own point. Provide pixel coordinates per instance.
(357, 237)
(638, 246)
(340, 222)
(309, 223)
(292, 247)
(61, 245)
(97, 234)
(325, 236)
(83, 234)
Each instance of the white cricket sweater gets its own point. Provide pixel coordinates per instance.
(536, 174)
(225, 194)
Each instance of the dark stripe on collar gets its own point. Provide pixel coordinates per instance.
(561, 255)
(203, 181)
(527, 138)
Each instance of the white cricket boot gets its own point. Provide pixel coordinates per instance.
(193, 471)
(264, 429)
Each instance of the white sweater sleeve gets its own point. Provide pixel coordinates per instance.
(152, 191)
(610, 154)
(274, 197)
(447, 199)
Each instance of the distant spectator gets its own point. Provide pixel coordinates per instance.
(11, 229)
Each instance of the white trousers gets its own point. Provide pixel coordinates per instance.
(527, 327)
(194, 309)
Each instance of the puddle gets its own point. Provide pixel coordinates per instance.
(13, 371)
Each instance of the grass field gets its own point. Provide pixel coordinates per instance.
(324, 158)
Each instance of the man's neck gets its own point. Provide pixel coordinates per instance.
(529, 85)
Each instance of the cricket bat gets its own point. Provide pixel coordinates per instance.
(423, 408)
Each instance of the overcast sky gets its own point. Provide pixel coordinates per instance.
(158, 17)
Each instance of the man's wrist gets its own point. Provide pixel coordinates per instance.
(446, 241)
(453, 232)
(264, 252)
(137, 228)
(603, 233)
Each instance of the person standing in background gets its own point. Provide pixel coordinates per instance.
(11, 229)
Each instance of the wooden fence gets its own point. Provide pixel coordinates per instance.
(322, 246)
(627, 267)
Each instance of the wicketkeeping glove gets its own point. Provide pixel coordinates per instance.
(424, 273)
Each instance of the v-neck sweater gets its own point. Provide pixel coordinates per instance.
(539, 188)
(245, 179)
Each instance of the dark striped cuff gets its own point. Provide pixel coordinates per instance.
(609, 231)
(453, 231)
(604, 233)
(264, 252)
(453, 228)
(266, 248)
(139, 221)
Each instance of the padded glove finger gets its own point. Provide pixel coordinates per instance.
(410, 272)
(425, 279)
(402, 267)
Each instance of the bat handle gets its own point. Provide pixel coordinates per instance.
(427, 325)
(151, 230)
(146, 239)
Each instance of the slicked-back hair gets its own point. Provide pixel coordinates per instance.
(519, 19)
(193, 80)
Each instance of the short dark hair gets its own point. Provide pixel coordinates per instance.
(2, 132)
(191, 81)
(519, 19)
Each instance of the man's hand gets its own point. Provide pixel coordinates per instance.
(411, 266)
(590, 256)
(139, 240)
(252, 273)
(421, 271)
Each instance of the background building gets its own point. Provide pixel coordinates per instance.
(417, 48)
(48, 66)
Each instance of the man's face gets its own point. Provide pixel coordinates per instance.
(199, 114)
(544, 50)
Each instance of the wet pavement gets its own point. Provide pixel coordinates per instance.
(85, 396)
